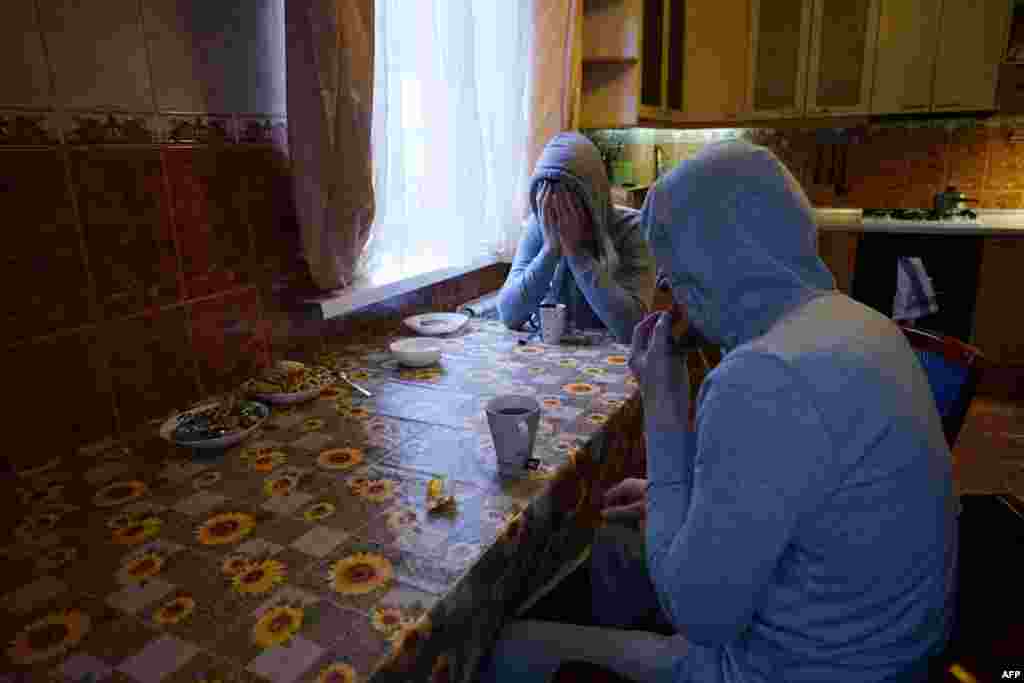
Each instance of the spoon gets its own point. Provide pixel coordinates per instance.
(352, 384)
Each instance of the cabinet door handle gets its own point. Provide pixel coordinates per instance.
(950, 105)
(913, 107)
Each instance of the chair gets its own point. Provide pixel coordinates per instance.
(953, 369)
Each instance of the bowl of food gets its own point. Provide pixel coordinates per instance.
(215, 424)
(288, 382)
(415, 352)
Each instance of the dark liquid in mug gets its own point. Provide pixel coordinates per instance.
(513, 411)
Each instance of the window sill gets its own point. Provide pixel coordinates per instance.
(363, 294)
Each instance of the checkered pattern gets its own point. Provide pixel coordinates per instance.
(273, 562)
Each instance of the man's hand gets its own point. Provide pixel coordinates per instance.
(626, 501)
(661, 373)
(571, 221)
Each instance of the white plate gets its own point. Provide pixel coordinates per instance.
(433, 324)
(415, 352)
(168, 427)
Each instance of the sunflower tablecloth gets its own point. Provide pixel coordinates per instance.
(307, 553)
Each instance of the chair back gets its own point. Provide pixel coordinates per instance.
(953, 369)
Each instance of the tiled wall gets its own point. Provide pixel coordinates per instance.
(152, 252)
(889, 165)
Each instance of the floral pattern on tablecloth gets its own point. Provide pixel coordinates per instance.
(308, 552)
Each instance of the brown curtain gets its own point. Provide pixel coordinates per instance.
(330, 114)
(557, 71)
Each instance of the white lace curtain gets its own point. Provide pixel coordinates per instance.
(450, 132)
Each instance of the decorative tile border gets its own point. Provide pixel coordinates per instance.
(203, 129)
(28, 128)
(262, 130)
(105, 128)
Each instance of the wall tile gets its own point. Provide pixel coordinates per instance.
(208, 213)
(43, 263)
(98, 53)
(926, 156)
(1006, 162)
(968, 158)
(996, 199)
(229, 338)
(175, 58)
(270, 211)
(234, 52)
(29, 128)
(63, 397)
(151, 365)
(26, 81)
(127, 230)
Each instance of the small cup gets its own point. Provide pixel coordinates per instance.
(552, 322)
(513, 421)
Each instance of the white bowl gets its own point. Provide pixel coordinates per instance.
(415, 352)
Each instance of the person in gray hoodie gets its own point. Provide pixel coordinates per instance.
(578, 249)
(805, 529)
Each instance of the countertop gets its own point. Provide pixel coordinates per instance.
(990, 223)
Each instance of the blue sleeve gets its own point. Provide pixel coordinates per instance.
(724, 502)
(529, 279)
(621, 299)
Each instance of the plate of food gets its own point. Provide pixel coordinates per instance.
(436, 323)
(287, 382)
(216, 424)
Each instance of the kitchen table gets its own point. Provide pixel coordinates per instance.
(307, 553)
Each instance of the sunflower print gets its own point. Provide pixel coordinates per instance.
(401, 520)
(632, 381)
(43, 495)
(353, 412)
(233, 565)
(56, 558)
(266, 462)
(277, 625)
(614, 403)
(318, 511)
(551, 402)
(340, 458)
(49, 637)
(312, 424)
(406, 643)
(283, 485)
(616, 360)
(259, 577)
(138, 532)
(378, 490)
(119, 493)
(579, 389)
(357, 485)
(387, 620)
(529, 350)
(568, 363)
(175, 611)
(141, 568)
(34, 527)
(331, 392)
(597, 419)
(594, 372)
(29, 472)
(207, 479)
(339, 672)
(360, 574)
(359, 376)
(225, 528)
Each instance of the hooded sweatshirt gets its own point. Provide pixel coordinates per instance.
(805, 531)
(613, 288)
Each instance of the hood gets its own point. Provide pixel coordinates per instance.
(575, 161)
(736, 239)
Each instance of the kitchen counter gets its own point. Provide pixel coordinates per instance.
(990, 223)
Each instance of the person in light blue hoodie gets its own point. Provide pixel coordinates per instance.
(579, 249)
(805, 529)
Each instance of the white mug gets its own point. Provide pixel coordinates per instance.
(552, 322)
(513, 421)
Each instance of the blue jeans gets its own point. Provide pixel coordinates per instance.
(623, 602)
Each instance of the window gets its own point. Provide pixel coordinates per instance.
(449, 133)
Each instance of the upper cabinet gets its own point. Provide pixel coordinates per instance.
(972, 41)
(780, 33)
(842, 57)
(715, 60)
(908, 33)
(939, 55)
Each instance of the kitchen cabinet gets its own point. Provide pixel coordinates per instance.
(842, 57)
(779, 42)
(972, 40)
(715, 60)
(998, 331)
(908, 33)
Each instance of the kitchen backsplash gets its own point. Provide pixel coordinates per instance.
(899, 164)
